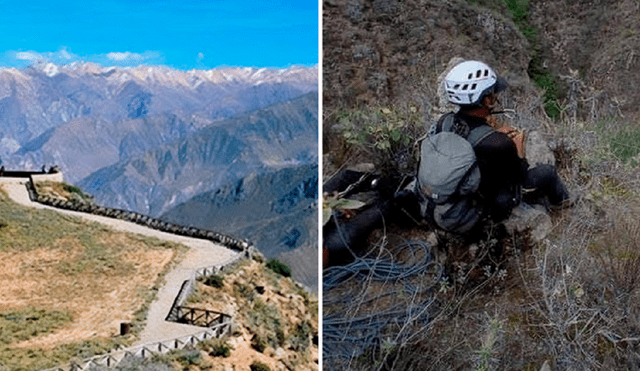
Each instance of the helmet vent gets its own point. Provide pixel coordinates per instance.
(486, 73)
(478, 73)
(456, 87)
(470, 76)
(473, 87)
(465, 86)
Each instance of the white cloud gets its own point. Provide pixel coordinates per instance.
(61, 56)
(132, 57)
(126, 56)
(29, 56)
(64, 54)
(199, 60)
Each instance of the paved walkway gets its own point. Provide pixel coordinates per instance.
(202, 253)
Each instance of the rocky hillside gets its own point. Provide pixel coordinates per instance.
(509, 301)
(276, 321)
(574, 60)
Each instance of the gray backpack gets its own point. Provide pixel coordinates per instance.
(448, 175)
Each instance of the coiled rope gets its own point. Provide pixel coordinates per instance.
(392, 295)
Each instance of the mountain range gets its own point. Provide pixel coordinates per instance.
(162, 142)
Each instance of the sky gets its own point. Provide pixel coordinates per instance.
(182, 34)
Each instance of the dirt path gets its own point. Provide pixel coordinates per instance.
(201, 254)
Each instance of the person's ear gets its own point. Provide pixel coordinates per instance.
(487, 100)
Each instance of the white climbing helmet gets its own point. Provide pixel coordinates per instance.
(468, 82)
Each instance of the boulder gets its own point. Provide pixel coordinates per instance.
(527, 217)
(537, 149)
(545, 366)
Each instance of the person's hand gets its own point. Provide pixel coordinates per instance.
(517, 137)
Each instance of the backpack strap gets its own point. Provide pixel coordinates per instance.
(478, 134)
(449, 122)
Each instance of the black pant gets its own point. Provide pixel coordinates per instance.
(544, 186)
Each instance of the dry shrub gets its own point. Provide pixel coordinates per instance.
(617, 250)
(571, 300)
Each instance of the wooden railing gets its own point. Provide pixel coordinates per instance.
(215, 325)
(200, 317)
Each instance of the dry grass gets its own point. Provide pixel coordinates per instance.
(571, 300)
(61, 263)
(61, 191)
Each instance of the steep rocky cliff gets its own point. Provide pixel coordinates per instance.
(389, 51)
(571, 70)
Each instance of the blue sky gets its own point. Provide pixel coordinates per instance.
(181, 34)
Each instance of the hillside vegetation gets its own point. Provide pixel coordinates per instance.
(509, 302)
(68, 284)
(276, 319)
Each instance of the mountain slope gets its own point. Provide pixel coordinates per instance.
(38, 98)
(147, 139)
(276, 210)
(284, 134)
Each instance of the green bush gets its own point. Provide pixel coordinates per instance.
(221, 350)
(72, 189)
(385, 133)
(189, 358)
(624, 145)
(214, 281)
(280, 336)
(243, 291)
(258, 343)
(279, 268)
(519, 11)
(216, 348)
(618, 141)
(77, 191)
(259, 366)
(300, 336)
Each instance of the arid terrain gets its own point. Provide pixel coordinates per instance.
(71, 279)
(268, 307)
(97, 277)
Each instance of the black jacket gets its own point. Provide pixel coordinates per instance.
(501, 169)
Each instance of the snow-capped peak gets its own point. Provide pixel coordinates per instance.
(50, 69)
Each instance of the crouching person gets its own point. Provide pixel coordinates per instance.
(470, 171)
